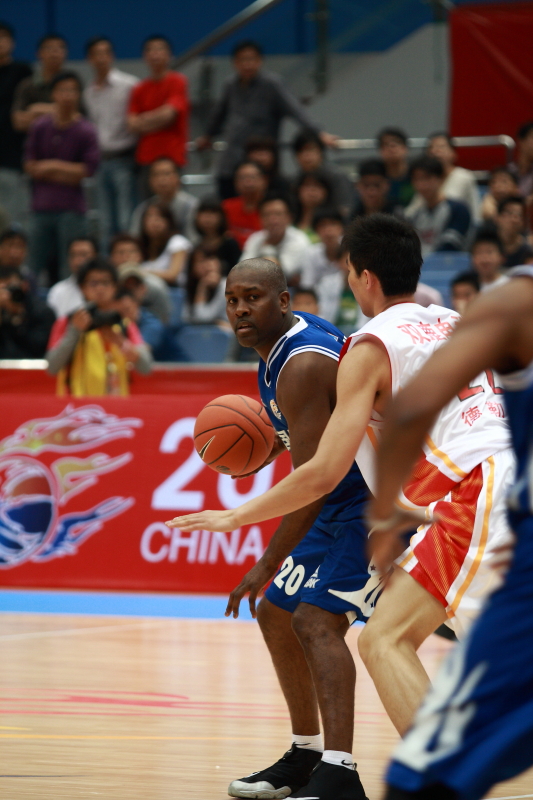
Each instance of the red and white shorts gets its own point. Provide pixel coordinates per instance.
(453, 557)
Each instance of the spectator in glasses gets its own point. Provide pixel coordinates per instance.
(93, 351)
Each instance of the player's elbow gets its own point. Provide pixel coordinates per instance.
(321, 483)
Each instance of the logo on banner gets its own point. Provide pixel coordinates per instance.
(33, 492)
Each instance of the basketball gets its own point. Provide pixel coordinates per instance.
(233, 434)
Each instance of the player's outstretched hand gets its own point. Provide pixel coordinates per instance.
(205, 520)
(384, 542)
(252, 583)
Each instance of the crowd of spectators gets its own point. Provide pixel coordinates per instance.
(114, 295)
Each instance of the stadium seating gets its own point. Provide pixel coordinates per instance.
(206, 344)
(439, 269)
(177, 298)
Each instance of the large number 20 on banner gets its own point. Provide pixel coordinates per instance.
(86, 486)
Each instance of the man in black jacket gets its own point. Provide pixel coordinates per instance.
(25, 321)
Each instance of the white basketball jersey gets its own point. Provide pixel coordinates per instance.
(469, 429)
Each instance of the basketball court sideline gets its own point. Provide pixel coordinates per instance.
(129, 707)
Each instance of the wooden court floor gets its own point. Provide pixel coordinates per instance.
(158, 709)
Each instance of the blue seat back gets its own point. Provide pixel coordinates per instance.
(177, 299)
(204, 344)
(439, 269)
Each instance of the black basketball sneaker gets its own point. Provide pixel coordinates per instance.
(277, 782)
(331, 782)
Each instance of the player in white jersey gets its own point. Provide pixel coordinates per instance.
(475, 727)
(466, 457)
(461, 476)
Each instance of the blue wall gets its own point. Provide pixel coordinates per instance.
(355, 25)
(364, 25)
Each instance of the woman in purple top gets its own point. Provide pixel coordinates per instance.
(61, 150)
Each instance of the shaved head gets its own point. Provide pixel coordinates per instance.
(264, 272)
(258, 304)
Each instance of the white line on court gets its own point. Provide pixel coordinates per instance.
(69, 631)
(514, 797)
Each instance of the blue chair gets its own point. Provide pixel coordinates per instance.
(177, 299)
(204, 344)
(439, 269)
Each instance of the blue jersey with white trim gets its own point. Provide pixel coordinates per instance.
(518, 388)
(315, 335)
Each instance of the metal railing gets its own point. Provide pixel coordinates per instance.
(353, 146)
(226, 29)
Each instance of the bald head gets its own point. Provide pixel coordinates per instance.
(258, 304)
(263, 272)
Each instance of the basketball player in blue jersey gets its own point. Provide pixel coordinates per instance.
(475, 727)
(324, 582)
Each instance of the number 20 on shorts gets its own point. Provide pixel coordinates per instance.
(290, 577)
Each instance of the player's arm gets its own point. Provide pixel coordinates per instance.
(363, 374)
(306, 396)
(489, 336)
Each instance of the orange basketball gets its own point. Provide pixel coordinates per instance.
(233, 434)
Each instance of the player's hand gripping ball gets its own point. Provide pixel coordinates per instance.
(233, 434)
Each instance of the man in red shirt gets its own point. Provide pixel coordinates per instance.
(159, 107)
(242, 212)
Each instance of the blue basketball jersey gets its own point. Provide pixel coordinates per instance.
(519, 402)
(475, 727)
(310, 334)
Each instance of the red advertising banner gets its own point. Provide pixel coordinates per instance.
(86, 486)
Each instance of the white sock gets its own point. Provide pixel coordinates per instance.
(309, 742)
(339, 758)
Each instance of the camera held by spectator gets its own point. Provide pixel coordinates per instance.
(25, 320)
(93, 350)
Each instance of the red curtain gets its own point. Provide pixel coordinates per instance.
(492, 74)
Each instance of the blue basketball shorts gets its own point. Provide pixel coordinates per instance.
(475, 727)
(329, 569)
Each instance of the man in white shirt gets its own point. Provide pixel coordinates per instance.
(278, 240)
(107, 100)
(66, 296)
(165, 183)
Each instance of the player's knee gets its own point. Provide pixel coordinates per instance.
(304, 624)
(373, 643)
(312, 624)
(266, 616)
(274, 622)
